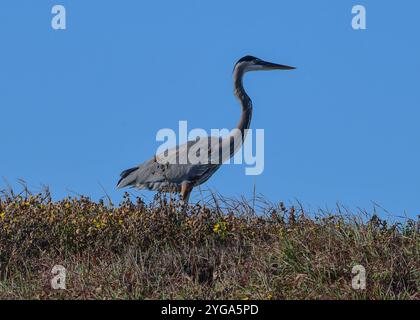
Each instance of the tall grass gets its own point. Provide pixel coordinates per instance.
(221, 250)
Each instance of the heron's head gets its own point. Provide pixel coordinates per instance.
(250, 63)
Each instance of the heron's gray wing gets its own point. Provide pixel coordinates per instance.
(170, 169)
(149, 175)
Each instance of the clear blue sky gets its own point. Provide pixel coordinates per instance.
(80, 105)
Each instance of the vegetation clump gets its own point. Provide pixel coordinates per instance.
(218, 250)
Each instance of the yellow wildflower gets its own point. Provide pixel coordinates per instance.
(220, 227)
(216, 228)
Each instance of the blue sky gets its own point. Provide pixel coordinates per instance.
(80, 105)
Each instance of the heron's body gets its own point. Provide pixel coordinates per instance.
(174, 171)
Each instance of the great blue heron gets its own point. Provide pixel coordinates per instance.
(173, 175)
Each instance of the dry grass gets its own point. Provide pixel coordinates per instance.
(217, 251)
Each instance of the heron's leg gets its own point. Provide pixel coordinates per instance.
(186, 189)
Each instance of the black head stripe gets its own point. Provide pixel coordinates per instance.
(246, 59)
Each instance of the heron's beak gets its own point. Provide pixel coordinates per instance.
(274, 66)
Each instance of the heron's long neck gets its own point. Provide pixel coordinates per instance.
(237, 139)
(245, 101)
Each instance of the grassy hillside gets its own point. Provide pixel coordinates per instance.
(218, 251)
